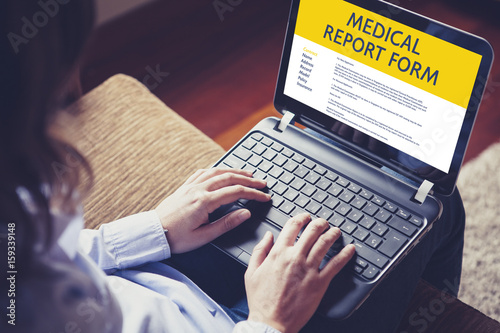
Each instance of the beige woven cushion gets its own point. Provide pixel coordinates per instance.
(139, 149)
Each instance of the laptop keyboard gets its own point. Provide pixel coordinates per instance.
(378, 228)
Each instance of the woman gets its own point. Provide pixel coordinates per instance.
(60, 287)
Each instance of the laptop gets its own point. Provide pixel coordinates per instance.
(384, 100)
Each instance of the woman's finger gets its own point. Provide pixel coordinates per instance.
(230, 194)
(230, 178)
(208, 232)
(214, 172)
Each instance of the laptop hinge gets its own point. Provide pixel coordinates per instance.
(285, 121)
(423, 191)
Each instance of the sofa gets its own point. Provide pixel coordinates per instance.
(140, 151)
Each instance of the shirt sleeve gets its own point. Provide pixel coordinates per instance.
(127, 242)
(248, 326)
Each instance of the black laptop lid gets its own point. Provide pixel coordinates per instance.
(394, 87)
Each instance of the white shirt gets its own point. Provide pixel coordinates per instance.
(123, 256)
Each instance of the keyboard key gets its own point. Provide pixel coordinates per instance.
(242, 153)
(255, 160)
(320, 196)
(392, 245)
(298, 158)
(343, 209)
(249, 167)
(277, 146)
(265, 166)
(354, 188)
(234, 163)
(308, 190)
(267, 141)
(277, 217)
(271, 182)
(301, 172)
(390, 207)
(374, 241)
(331, 175)
(319, 169)
(298, 184)
(416, 221)
(286, 177)
(358, 203)
(380, 229)
(336, 220)
(383, 215)
(309, 164)
(346, 196)
(312, 177)
(335, 190)
(291, 194)
(402, 226)
(313, 207)
(302, 201)
(291, 166)
(378, 200)
(331, 202)
(258, 174)
(277, 201)
(361, 234)
(275, 172)
(279, 188)
(366, 194)
(371, 272)
(323, 184)
(403, 214)
(325, 213)
(287, 207)
(280, 160)
(288, 152)
(257, 136)
(249, 144)
(361, 263)
(355, 215)
(370, 255)
(367, 222)
(343, 182)
(370, 209)
(269, 155)
(358, 269)
(348, 227)
(259, 149)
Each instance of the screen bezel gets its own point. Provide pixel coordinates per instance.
(444, 184)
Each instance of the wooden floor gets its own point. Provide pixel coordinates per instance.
(218, 70)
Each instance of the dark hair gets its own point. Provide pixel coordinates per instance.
(42, 41)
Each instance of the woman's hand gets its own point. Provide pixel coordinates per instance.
(283, 282)
(184, 214)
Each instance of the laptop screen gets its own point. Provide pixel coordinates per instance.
(389, 82)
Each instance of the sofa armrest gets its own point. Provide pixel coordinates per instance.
(140, 150)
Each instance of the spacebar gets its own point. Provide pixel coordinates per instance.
(277, 217)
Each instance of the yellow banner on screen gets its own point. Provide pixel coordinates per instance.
(422, 60)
